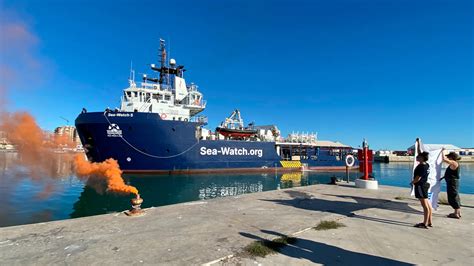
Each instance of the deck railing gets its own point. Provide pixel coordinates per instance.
(199, 119)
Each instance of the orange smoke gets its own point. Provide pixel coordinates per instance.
(36, 152)
(35, 147)
(109, 170)
(62, 140)
(31, 141)
(22, 130)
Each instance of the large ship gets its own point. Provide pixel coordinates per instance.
(158, 129)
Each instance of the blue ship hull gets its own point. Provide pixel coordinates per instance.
(143, 142)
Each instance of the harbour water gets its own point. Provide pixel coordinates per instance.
(27, 198)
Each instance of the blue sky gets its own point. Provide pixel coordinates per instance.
(389, 71)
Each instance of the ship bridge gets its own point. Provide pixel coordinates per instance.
(168, 95)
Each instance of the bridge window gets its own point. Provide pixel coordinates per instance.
(167, 97)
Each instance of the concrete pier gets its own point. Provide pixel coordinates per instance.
(379, 230)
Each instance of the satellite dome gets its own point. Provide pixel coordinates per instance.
(172, 61)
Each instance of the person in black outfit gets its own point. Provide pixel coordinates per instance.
(452, 183)
(420, 181)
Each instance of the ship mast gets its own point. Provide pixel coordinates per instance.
(162, 61)
(165, 69)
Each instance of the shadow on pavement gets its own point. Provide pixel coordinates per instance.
(307, 201)
(325, 254)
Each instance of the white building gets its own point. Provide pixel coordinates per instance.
(68, 131)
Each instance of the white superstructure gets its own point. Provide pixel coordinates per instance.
(168, 95)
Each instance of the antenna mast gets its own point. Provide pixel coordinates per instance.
(163, 60)
(131, 79)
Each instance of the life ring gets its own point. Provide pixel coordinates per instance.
(350, 160)
(163, 116)
(185, 120)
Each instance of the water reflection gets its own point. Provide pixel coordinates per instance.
(91, 202)
(296, 179)
(235, 189)
(58, 166)
(164, 190)
(7, 160)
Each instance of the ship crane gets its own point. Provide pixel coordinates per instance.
(233, 127)
(234, 121)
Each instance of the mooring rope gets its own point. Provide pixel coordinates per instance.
(147, 154)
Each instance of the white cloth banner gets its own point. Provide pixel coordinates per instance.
(435, 161)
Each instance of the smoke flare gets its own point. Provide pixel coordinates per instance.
(36, 152)
(109, 170)
(22, 130)
(35, 147)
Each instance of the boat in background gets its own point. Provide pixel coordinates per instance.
(5, 145)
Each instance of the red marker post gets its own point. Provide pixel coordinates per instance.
(365, 157)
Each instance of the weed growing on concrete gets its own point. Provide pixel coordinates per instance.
(400, 198)
(265, 247)
(284, 240)
(327, 225)
(258, 249)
